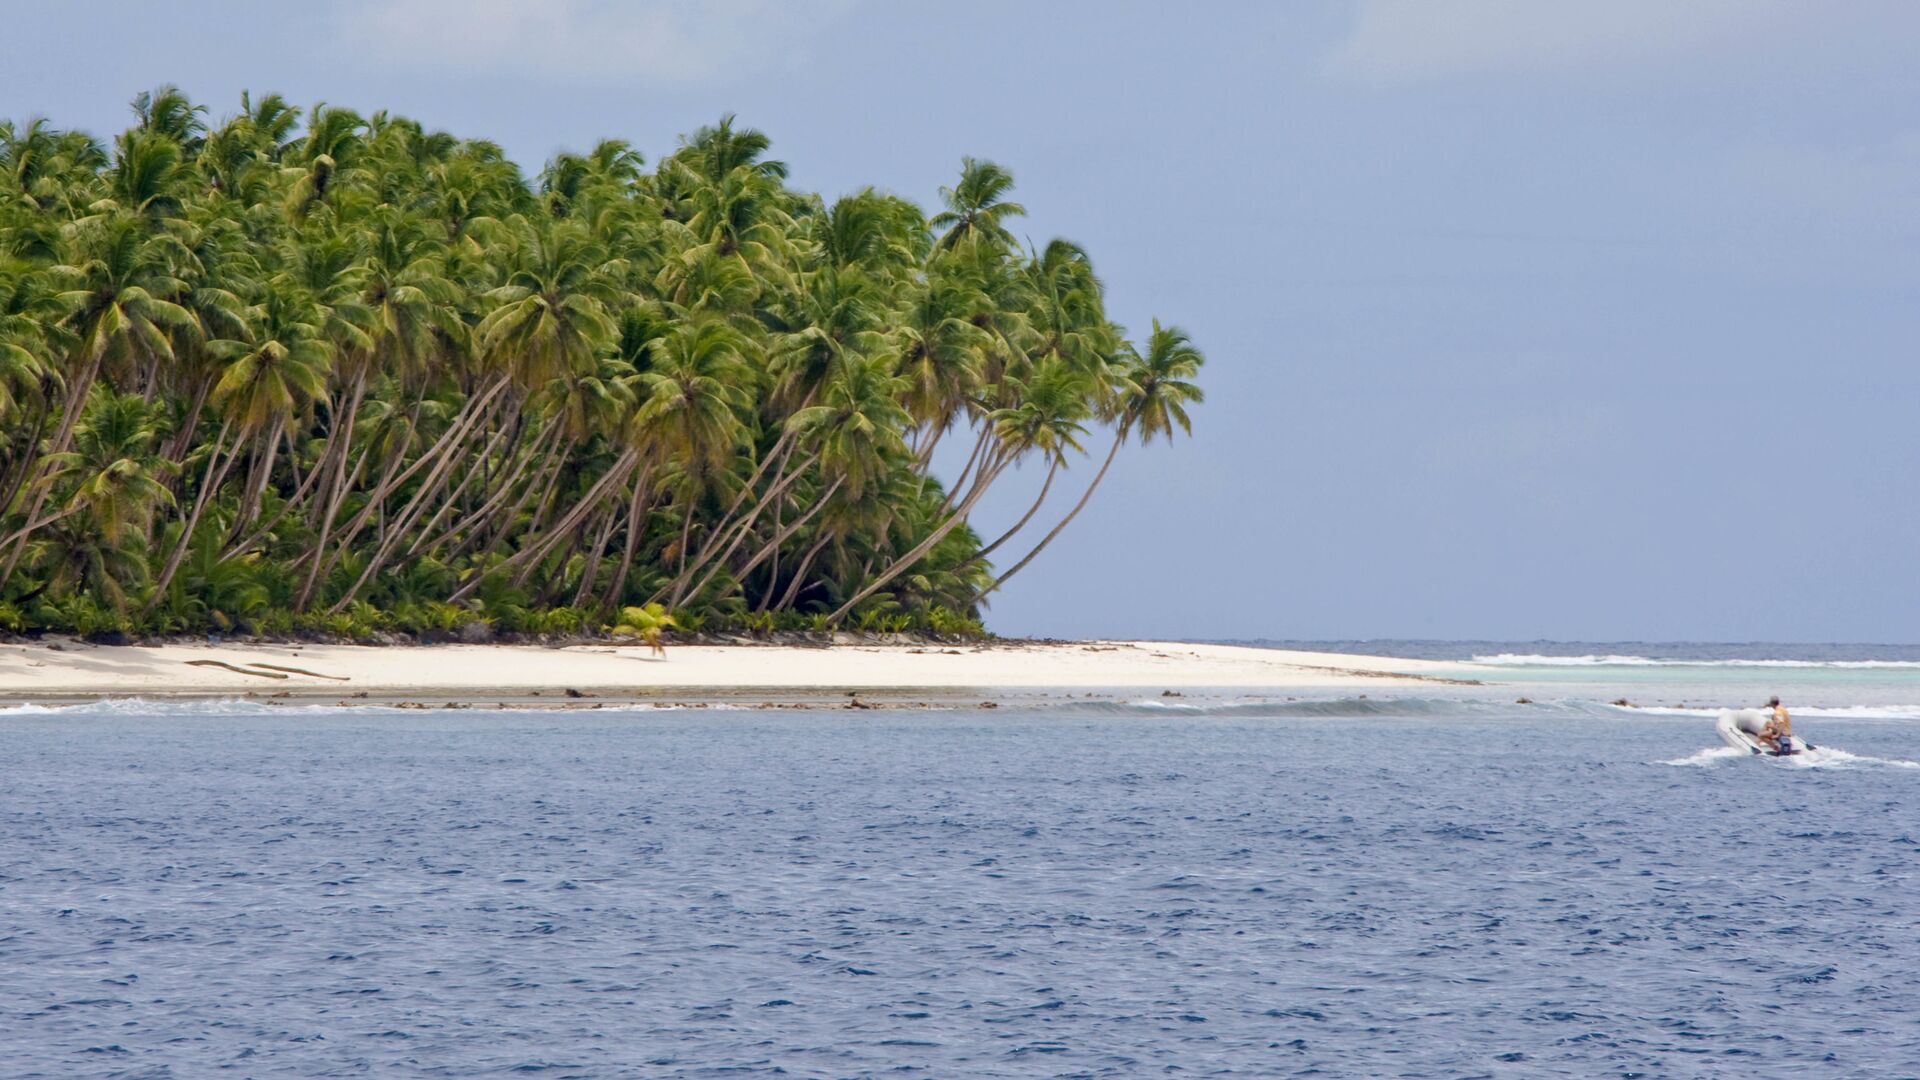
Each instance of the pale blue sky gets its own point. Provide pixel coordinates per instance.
(1567, 320)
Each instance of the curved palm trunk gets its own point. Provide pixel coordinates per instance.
(726, 520)
(177, 446)
(618, 473)
(305, 486)
(967, 472)
(636, 524)
(493, 501)
(208, 484)
(905, 562)
(390, 533)
(81, 389)
(41, 524)
(543, 483)
(1118, 438)
(738, 532)
(17, 476)
(256, 488)
(781, 535)
(590, 571)
(800, 574)
(469, 415)
(981, 555)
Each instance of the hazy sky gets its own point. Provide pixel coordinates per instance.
(1523, 320)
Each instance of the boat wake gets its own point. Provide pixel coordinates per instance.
(1820, 757)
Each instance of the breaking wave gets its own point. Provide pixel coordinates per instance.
(1538, 660)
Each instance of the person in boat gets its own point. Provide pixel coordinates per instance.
(1777, 732)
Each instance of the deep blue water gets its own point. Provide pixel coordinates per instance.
(1076, 892)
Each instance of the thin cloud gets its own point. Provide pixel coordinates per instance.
(653, 41)
(1403, 41)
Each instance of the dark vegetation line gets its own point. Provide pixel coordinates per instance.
(325, 373)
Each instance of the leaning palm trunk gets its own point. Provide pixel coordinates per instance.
(256, 489)
(982, 481)
(208, 483)
(589, 570)
(981, 555)
(334, 491)
(800, 573)
(376, 500)
(451, 501)
(63, 437)
(391, 533)
(17, 476)
(636, 525)
(1119, 437)
(492, 502)
(534, 552)
(739, 532)
(544, 483)
(782, 535)
(726, 521)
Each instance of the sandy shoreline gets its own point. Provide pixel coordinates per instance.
(606, 673)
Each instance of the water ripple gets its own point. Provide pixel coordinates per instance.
(685, 894)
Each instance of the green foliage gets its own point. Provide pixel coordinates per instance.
(648, 622)
(323, 373)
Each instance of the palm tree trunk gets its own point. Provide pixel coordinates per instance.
(746, 489)
(77, 394)
(499, 495)
(800, 573)
(590, 570)
(437, 453)
(980, 556)
(636, 525)
(18, 474)
(781, 536)
(542, 484)
(905, 562)
(973, 459)
(740, 530)
(617, 474)
(333, 493)
(451, 501)
(42, 523)
(208, 483)
(1118, 437)
(183, 439)
(256, 488)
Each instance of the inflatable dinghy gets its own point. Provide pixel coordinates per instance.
(1740, 728)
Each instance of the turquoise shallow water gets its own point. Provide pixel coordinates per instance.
(1814, 679)
(1333, 887)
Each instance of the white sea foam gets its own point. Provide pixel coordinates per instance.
(1831, 712)
(1712, 755)
(1820, 757)
(1537, 660)
(134, 706)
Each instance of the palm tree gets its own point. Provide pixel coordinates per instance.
(115, 313)
(282, 366)
(1155, 390)
(111, 472)
(321, 359)
(977, 210)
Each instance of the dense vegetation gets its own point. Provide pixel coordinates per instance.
(337, 374)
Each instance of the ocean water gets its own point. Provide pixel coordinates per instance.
(1329, 887)
(1813, 680)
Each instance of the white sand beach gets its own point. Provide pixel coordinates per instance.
(69, 670)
